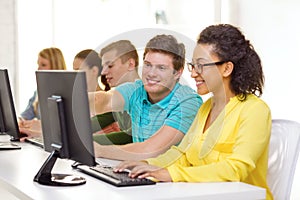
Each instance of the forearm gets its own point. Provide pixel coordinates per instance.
(99, 102)
(95, 103)
(160, 142)
(214, 172)
(167, 158)
(103, 102)
(132, 151)
(176, 152)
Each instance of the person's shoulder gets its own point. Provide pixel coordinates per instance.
(131, 89)
(34, 93)
(251, 98)
(254, 102)
(186, 95)
(136, 83)
(185, 90)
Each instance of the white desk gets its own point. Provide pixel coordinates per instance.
(18, 167)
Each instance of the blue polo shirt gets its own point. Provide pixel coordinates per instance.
(176, 110)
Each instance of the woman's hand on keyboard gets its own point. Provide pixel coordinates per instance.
(128, 165)
(141, 169)
(151, 171)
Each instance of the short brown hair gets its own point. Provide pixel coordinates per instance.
(167, 44)
(125, 50)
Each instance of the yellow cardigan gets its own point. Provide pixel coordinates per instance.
(233, 148)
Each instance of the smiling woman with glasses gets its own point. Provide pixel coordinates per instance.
(229, 138)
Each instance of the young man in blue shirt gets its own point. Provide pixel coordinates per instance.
(161, 109)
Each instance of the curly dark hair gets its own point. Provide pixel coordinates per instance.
(229, 44)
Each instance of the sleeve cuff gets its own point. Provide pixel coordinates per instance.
(174, 173)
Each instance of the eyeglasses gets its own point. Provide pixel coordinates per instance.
(199, 67)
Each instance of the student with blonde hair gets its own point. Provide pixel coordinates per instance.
(48, 59)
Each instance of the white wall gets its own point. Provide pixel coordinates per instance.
(273, 28)
(35, 32)
(271, 25)
(8, 40)
(75, 25)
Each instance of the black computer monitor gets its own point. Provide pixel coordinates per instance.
(8, 119)
(66, 122)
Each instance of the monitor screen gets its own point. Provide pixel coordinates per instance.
(71, 88)
(8, 119)
(66, 123)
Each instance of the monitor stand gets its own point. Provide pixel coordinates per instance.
(45, 177)
(6, 144)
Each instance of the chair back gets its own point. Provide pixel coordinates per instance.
(283, 154)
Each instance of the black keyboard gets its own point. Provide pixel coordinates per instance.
(37, 141)
(119, 179)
